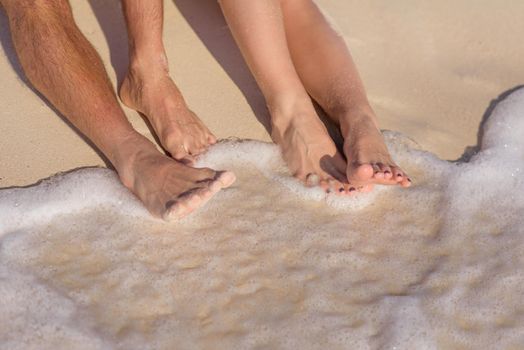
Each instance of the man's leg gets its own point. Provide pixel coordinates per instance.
(326, 68)
(148, 88)
(64, 67)
(310, 153)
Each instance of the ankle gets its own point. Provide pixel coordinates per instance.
(357, 117)
(128, 151)
(151, 62)
(285, 109)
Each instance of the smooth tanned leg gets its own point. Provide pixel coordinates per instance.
(311, 155)
(148, 88)
(330, 76)
(64, 67)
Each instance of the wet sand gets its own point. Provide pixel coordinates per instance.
(269, 264)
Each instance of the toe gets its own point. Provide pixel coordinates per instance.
(179, 152)
(386, 170)
(352, 189)
(175, 211)
(221, 180)
(196, 147)
(187, 203)
(312, 180)
(324, 184)
(398, 175)
(202, 174)
(336, 187)
(211, 139)
(225, 178)
(204, 143)
(360, 172)
(406, 182)
(192, 201)
(205, 195)
(199, 197)
(377, 172)
(199, 151)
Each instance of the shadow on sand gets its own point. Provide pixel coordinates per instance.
(206, 19)
(470, 151)
(110, 17)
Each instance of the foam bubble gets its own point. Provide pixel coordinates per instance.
(269, 263)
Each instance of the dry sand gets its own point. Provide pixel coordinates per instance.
(431, 70)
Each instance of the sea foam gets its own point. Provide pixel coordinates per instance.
(270, 264)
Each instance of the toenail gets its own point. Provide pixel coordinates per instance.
(399, 175)
(341, 189)
(387, 172)
(351, 189)
(409, 179)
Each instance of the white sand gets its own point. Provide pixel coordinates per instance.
(269, 264)
(431, 70)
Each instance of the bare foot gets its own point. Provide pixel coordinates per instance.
(152, 92)
(368, 158)
(168, 188)
(307, 148)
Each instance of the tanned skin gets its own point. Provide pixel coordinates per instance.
(294, 54)
(63, 66)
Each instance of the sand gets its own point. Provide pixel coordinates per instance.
(269, 264)
(431, 70)
(83, 265)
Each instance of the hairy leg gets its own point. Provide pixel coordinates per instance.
(310, 153)
(64, 67)
(148, 88)
(330, 76)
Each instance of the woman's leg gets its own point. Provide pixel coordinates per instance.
(148, 88)
(330, 76)
(311, 155)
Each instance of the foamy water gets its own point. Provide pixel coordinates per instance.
(269, 264)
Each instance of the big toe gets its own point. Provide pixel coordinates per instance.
(359, 173)
(211, 139)
(187, 203)
(225, 178)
